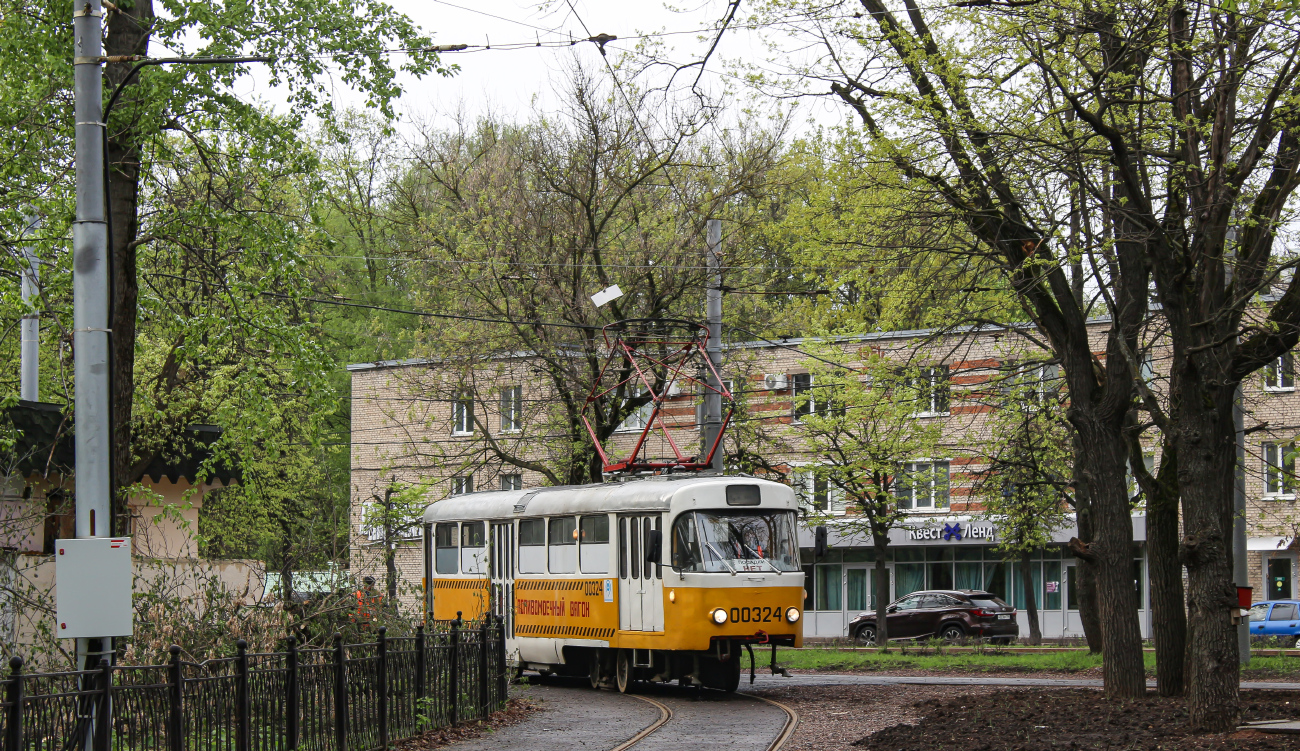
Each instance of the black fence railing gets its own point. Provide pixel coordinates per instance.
(349, 697)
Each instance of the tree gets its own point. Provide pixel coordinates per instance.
(941, 98)
(1025, 485)
(167, 116)
(519, 224)
(392, 514)
(863, 429)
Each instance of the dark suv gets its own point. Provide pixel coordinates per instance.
(950, 614)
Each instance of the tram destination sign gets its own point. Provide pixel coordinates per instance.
(954, 532)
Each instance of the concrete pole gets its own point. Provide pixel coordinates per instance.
(90, 287)
(713, 317)
(29, 374)
(1240, 562)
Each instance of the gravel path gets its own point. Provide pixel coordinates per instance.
(859, 679)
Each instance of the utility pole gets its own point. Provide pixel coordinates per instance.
(90, 287)
(713, 318)
(29, 374)
(1240, 567)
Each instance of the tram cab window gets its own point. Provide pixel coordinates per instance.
(444, 546)
(593, 544)
(733, 540)
(473, 548)
(562, 545)
(532, 546)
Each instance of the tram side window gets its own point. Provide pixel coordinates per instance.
(532, 546)
(593, 544)
(444, 546)
(622, 548)
(634, 547)
(473, 548)
(562, 545)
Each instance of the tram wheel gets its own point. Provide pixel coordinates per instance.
(731, 673)
(623, 670)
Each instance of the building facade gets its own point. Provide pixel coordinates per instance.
(432, 425)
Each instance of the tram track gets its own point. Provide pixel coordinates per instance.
(661, 732)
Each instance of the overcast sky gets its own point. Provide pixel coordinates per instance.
(510, 81)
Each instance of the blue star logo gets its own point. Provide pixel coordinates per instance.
(950, 531)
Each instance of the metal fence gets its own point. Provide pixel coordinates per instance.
(350, 697)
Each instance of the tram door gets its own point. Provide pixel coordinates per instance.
(502, 573)
(640, 584)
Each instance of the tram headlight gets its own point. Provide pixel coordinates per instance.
(718, 616)
(792, 615)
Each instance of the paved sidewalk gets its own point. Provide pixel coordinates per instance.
(829, 679)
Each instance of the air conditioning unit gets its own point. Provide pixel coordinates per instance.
(775, 381)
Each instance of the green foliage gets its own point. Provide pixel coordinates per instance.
(865, 431)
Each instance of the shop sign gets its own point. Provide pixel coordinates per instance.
(955, 532)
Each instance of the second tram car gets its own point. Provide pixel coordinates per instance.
(657, 579)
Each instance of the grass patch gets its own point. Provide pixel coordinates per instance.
(992, 661)
(830, 660)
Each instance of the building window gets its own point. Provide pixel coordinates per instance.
(512, 405)
(462, 485)
(728, 386)
(512, 482)
(1279, 469)
(462, 415)
(817, 494)
(1279, 375)
(932, 391)
(640, 417)
(922, 486)
(801, 392)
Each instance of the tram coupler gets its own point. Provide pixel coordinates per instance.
(777, 669)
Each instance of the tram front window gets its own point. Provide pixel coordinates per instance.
(723, 541)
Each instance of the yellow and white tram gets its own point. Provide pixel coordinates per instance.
(657, 579)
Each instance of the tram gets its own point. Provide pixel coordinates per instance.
(656, 579)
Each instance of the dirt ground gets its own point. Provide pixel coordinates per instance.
(831, 718)
(922, 718)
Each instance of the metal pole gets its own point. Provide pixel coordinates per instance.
(30, 373)
(1240, 564)
(713, 317)
(90, 285)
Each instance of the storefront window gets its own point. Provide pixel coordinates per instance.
(1035, 578)
(1071, 599)
(969, 576)
(908, 578)
(995, 578)
(1051, 585)
(828, 588)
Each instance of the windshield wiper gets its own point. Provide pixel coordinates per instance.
(713, 546)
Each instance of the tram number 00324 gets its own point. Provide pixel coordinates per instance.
(755, 615)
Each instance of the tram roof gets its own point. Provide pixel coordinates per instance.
(649, 494)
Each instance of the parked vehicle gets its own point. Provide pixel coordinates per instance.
(1276, 619)
(951, 615)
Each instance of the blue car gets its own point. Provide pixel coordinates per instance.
(1277, 619)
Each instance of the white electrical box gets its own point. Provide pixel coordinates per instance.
(92, 578)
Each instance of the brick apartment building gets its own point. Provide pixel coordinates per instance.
(414, 421)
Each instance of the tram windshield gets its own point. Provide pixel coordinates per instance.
(723, 541)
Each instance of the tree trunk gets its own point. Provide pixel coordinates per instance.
(1031, 602)
(1084, 570)
(1168, 611)
(882, 594)
(127, 34)
(1206, 470)
(1101, 466)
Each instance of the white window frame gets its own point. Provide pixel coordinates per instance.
(1279, 375)
(1279, 469)
(375, 534)
(932, 377)
(804, 483)
(462, 415)
(462, 484)
(915, 466)
(512, 409)
(640, 417)
(796, 390)
(515, 481)
(728, 384)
